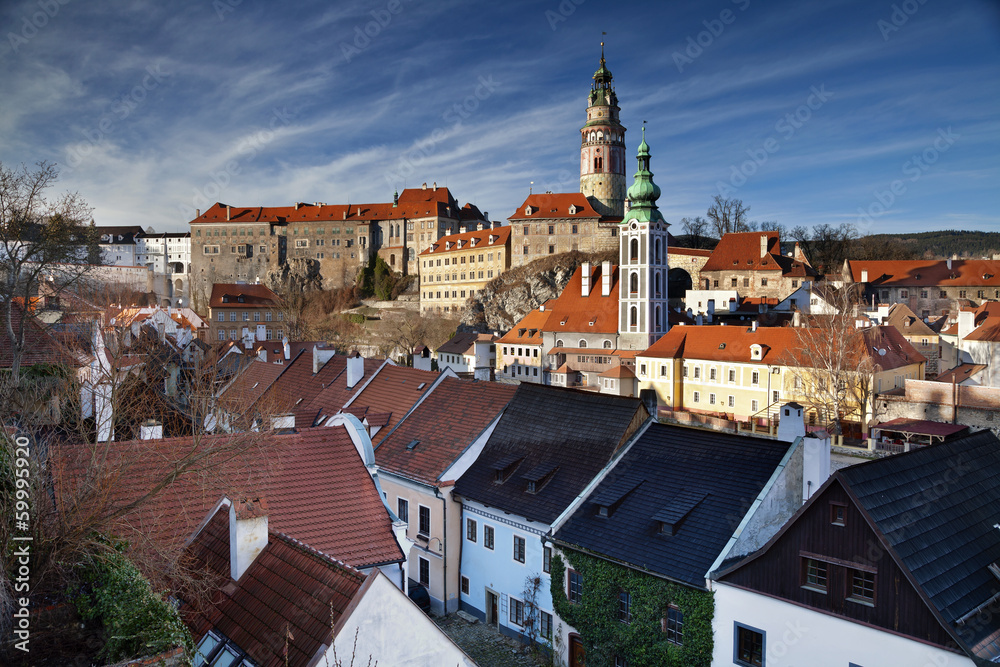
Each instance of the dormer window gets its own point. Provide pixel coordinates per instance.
(527, 210)
(539, 476)
(225, 298)
(241, 299)
(670, 518)
(611, 498)
(756, 352)
(505, 467)
(573, 209)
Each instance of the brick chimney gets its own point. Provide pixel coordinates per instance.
(247, 533)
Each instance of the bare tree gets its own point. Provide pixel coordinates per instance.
(728, 216)
(835, 365)
(826, 246)
(40, 240)
(695, 229)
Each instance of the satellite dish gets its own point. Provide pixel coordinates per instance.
(881, 352)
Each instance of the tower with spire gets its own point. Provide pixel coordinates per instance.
(602, 150)
(642, 299)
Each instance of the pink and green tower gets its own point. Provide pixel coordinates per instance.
(602, 151)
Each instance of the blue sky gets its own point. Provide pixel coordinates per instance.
(883, 114)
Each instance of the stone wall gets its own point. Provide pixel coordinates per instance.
(977, 407)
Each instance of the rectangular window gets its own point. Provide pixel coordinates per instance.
(545, 620)
(697, 397)
(697, 372)
(732, 401)
(470, 530)
(424, 524)
(711, 399)
(403, 509)
(748, 649)
(552, 229)
(222, 334)
(222, 316)
(732, 375)
(256, 316)
(546, 559)
(516, 611)
(814, 574)
(862, 587)
(755, 377)
(488, 537)
(425, 572)
(685, 372)
(942, 294)
(837, 512)
(246, 316)
(754, 406)
(575, 593)
(465, 585)
(673, 626)
(519, 549)
(625, 607)
(763, 282)
(711, 374)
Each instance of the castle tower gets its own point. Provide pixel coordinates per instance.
(602, 151)
(642, 299)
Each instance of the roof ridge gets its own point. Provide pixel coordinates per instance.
(317, 554)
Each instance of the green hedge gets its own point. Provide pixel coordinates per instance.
(641, 642)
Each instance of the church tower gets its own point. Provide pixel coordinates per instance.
(642, 298)
(602, 151)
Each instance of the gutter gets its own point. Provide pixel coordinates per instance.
(444, 545)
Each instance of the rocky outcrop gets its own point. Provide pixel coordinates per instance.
(297, 274)
(508, 298)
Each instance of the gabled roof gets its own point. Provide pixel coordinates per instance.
(907, 322)
(548, 206)
(620, 371)
(928, 273)
(573, 313)
(290, 594)
(40, 347)
(226, 295)
(576, 431)
(960, 373)
(445, 423)
(726, 343)
(464, 343)
(940, 525)
(742, 252)
(333, 390)
(394, 389)
(318, 488)
(700, 482)
(889, 349)
(480, 239)
(988, 331)
(247, 388)
(529, 330)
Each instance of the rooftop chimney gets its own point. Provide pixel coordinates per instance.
(424, 186)
(247, 533)
(585, 279)
(228, 212)
(815, 461)
(435, 186)
(753, 326)
(197, 213)
(605, 278)
(763, 246)
(321, 356)
(864, 275)
(355, 369)
(151, 430)
(286, 348)
(791, 424)
(949, 263)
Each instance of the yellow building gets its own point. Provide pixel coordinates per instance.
(744, 374)
(458, 266)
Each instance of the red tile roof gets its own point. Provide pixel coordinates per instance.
(548, 206)
(466, 240)
(464, 343)
(921, 427)
(529, 330)
(676, 250)
(988, 331)
(334, 393)
(345, 214)
(394, 389)
(960, 373)
(444, 424)
(289, 593)
(620, 371)
(742, 252)
(247, 388)
(424, 194)
(574, 313)
(316, 484)
(969, 272)
(255, 296)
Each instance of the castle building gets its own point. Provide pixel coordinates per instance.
(551, 223)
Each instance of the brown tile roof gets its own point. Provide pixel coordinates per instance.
(619, 371)
(960, 373)
(445, 423)
(988, 331)
(467, 240)
(334, 392)
(255, 296)
(316, 484)
(247, 388)
(40, 347)
(970, 272)
(297, 386)
(898, 351)
(548, 206)
(289, 591)
(693, 252)
(394, 389)
(742, 252)
(907, 322)
(463, 343)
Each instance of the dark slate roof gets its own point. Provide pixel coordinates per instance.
(573, 430)
(937, 507)
(699, 482)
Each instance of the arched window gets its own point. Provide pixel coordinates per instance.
(633, 283)
(559, 343)
(598, 163)
(392, 260)
(657, 320)
(656, 278)
(634, 250)
(633, 319)
(583, 343)
(657, 251)
(600, 136)
(607, 344)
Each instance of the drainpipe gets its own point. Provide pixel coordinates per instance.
(444, 545)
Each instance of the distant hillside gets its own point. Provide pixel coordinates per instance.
(941, 245)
